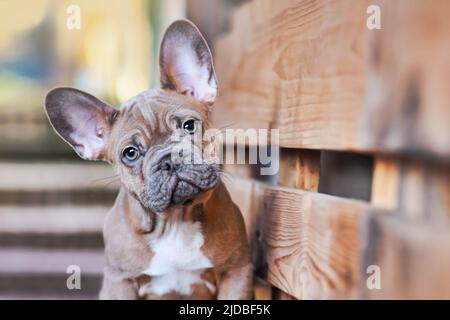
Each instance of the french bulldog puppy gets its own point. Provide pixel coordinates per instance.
(173, 232)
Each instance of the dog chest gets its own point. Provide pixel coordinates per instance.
(178, 260)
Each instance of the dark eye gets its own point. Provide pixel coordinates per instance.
(130, 153)
(189, 126)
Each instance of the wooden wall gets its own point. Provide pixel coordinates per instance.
(313, 70)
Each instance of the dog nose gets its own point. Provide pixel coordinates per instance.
(168, 165)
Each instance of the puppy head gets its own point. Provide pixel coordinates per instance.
(155, 139)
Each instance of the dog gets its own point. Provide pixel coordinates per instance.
(174, 231)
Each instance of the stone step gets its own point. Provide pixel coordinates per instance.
(49, 296)
(56, 176)
(92, 197)
(37, 261)
(52, 219)
(82, 240)
(42, 274)
(43, 286)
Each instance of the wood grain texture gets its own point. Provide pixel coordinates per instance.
(315, 246)
(299, 169)
(312, 243)
(414, 258)
(312, 69)
(407, 102)
(304, 243)
(295, 65)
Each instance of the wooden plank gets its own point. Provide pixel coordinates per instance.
(321, 66)
(438, 192)
(297, 66)
(385, 182)
(314, 70)
(306, 244)
(262, 290)
(416, 189)
(299, 169)
(315, 246)
(407, 105)
(412, 191)
(424, 191)
(312, 243)
(413, 258)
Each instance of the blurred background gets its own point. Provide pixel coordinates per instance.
(52, 204)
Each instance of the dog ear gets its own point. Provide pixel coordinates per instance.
(186, 63)
(81, 120)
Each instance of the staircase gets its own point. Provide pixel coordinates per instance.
(51, 216)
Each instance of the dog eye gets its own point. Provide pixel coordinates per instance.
(189, 126)
(130, 153)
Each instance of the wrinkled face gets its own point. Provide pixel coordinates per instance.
(155, 139)
(157, 148)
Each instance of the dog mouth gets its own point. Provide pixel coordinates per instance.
(178, 187)
(185, 193)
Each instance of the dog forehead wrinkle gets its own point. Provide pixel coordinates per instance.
(161, 105)
(137, 124)
(144, 120)
(148, 113)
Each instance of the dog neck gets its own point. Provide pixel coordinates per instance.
(146, 222)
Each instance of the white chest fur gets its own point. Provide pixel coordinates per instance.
(178, 260)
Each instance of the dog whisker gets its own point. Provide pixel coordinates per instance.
(111, 182)
(226, 126)
(106, 178)
(226, 176)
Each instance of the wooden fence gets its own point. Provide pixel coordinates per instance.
(314, 70)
